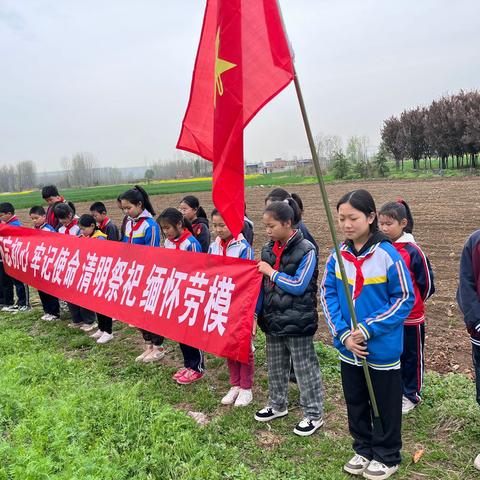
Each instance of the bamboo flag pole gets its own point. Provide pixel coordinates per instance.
(331, 225)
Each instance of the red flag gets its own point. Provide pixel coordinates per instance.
(243, 61)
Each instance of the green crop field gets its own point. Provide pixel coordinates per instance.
(72, 409)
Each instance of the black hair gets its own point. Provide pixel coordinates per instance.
(280, 194)
(284, 211)
(194, 202)
(50, 191)
(215, 212)
(62, 210)
(87, 220)
(398, 210)
(174, 217)
(138, 195)
(98, 207)
(37, 210)
(7, 207)
(363, 201)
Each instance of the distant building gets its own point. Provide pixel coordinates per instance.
(252, 168)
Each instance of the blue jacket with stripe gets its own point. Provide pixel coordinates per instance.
(382, 305)
(143, 230)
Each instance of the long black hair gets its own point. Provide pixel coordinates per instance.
(280, 194)
(63, 210)
(361, 200)
(399, 211)
(284, 211)
(138, 195)
(173, 217)
(194, 202)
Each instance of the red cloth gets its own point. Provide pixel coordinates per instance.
(181, 238)
(71, 225)
(357, 262)
(104, 224)
(243, 61)
(205, 301)
(12, 219)
(135, 227)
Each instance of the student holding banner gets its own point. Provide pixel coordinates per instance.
(141, 229)
(287, 313)
(241, 374)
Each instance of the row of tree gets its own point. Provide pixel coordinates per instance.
(448, 129)
(22, 176)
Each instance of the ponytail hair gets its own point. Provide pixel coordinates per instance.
(63, 210)
(173, 217)
(361, 200)
(194, 202)
(138, 195)
(285, 211)
(87, 220)
(399, 211)
(280, 195)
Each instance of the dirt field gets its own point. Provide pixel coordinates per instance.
(445, 211)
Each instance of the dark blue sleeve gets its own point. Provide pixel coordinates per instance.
(422, 271)
(204, 238)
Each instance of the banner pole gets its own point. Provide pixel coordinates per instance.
(333, 233)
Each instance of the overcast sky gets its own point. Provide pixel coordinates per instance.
(112, 77)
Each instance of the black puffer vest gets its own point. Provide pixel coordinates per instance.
(283, 313)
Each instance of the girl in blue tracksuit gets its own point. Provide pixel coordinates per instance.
(179, 236)
(141, 229)
(241, 374)
(383, 296)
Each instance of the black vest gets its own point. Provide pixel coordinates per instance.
(283, 313)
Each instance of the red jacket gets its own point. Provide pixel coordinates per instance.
(421, 273)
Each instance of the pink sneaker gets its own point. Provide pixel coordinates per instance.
(189, 376)
(179, 373)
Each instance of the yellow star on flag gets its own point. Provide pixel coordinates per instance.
(221, 66)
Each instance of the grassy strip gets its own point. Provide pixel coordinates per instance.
(72, 409)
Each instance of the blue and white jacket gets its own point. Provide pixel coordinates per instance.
(382, 303)
(143, 230)
(46, 227)
(186, 242)
(236, 247)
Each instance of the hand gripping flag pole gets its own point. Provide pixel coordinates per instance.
(377, 422)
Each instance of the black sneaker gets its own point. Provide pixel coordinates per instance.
(268, 413)
(306, 427)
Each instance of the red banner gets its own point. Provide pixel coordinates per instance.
(206, 301)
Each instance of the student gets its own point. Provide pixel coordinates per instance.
(280, 195)
(141, 229)
(82, 318)
(68, 221)
(89, 229)
(178, 235)
(106, 226)
(8, 217)
(287, 313)
(124, 221)
(468, 298)
(195, 214)
(396, 222)
(383, 297)
(51, 196)
(241, 374)
(50, 304)
(248, 228)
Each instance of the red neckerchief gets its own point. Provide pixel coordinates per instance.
(278, 250)
(104, 224)
(135, 227)
(359, 280)
(177, 241)
(224, 244)
(70, 225)
(12, 219)
(41, 226)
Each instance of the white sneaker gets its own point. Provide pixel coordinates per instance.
(10, 309)
(147, 351)
(476, 462)
(307, 427)
(231, 396)
(268, 413)
(48, 317)
(97, 334)
(244, 398)
(88, 327)
(105, 338)
(407, 405)
(356, 465)
(379, 471)
(75, 325)
(156, 354)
